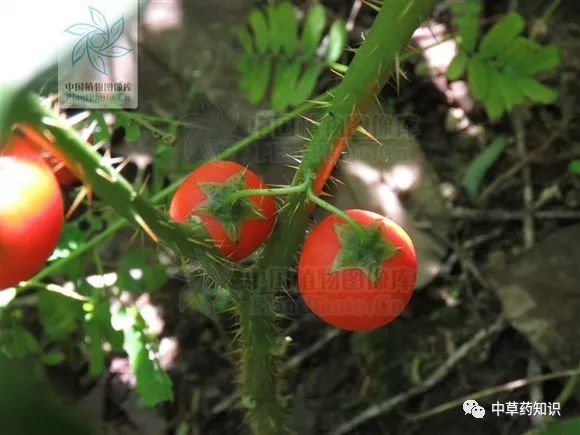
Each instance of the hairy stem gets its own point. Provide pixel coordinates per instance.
(269, 192)
(367, 74)
(188, 240)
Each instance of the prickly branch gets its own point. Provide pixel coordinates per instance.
(369, 71)
(190, 241)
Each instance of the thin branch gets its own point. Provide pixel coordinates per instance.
(528, 225)
(437, 376)
(499, 182)
(507, 387)
(497, 215)
(529, 230)
(298, 359)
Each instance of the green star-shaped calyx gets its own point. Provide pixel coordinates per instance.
(364, 251)
(231, 213)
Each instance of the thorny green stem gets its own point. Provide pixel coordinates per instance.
(269, 192)
(188, 240)
(261, 343)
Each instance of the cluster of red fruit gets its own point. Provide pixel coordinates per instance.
(356, 275)
(353, 277)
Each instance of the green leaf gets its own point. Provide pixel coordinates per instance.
(457, 66)
(536, 91)
(469, 30)
(260, 78)
(276, 37)
(282, 73)
(200, 301)
(287, 26)
(540, 60)
(528, 57)
(98, 330)
(245, 65)
(153, 384)
(569, 426)
(337, 38)
(71, 238)
(306, 84)
(53, 358)
(480, 165)
(132, 129)
(260, 29)
(101, 133)
(161, 165)
(312, 29)
(138, 273)
(94, 341)
(245, 40)
(511, 94)
(222, 299)
(467, 22)
(502, 34)
(58, 314)
(493, 102)
(574, 167)
(284, 84)
(479, 78)
(517, 52)
(132, 132)
(18, 343)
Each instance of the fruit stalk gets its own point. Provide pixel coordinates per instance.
(369, 71)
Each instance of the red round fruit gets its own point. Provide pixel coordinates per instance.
(357, 279)
(31, 214)
(237, 227)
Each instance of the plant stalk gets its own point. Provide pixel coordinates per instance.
(262, 345)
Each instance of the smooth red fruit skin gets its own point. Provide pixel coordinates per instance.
(31, 214)
(347, 299)
(252, 233)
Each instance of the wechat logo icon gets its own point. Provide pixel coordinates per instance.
(473, 408)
